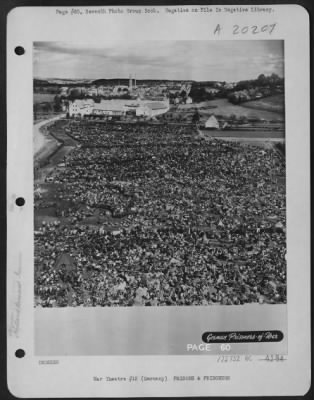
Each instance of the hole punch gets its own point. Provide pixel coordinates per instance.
(20, 353)
(20, 201)
(19, 50)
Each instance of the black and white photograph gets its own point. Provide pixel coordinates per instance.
(159, 173)
(158, 201)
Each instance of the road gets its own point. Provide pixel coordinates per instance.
(43, 143)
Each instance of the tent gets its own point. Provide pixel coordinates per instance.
(64, 260)
(212, 123)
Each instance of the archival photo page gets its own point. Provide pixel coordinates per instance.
(162, 245)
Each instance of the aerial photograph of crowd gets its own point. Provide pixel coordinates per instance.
(152, 196)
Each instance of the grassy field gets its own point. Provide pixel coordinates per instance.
(222, 107)
(43, 97)
(280, 135)
(272, 103)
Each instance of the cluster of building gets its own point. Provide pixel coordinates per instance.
(254, 93)
(139, 102)
(118, 107)
(142, 90)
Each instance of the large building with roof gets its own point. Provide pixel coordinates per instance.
(118, 107)
(152, 108)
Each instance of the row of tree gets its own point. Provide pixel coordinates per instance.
(266, 85)
(262, 80)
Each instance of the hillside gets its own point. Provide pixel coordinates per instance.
(274, 103)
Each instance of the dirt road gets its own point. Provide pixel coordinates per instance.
(43, 143)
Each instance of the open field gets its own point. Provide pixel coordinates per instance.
(43, 97)
(238, 134)
(264, 139)
(272, 103)
(222, 107)
(43, 116)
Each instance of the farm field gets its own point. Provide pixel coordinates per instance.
(237, 134)
(43, 97)
(272, 103)
(224, 108)
(263, 139)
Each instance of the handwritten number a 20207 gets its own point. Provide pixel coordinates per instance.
(254, 29)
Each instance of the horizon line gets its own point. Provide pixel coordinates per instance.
(151, 79)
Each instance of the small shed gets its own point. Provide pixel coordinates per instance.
(189, 100)
(212, 123)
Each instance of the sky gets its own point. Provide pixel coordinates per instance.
(229, 61)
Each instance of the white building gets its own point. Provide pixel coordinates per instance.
(212, 90)
(104, 91)
(212, 123)
(92, 91)
(189, 100)
(119, 90)
(186, 87)
(109, 107)
(152, 108)
(64, 91)
(81, 107)
(146, 108)
(229, 85)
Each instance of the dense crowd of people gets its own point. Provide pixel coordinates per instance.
(177, 221)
